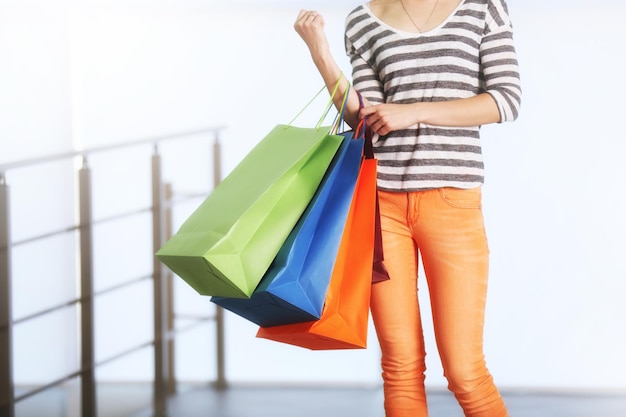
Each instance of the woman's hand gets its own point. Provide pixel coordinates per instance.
(386, 118)
(310, 27)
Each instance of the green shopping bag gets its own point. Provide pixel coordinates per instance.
(225, 247)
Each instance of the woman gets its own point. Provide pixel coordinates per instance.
(431, 72)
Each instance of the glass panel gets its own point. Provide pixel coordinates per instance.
(44, 274)
(187, 302)
(123, 320)
(195, 352)
(122, 250)
(46, 348)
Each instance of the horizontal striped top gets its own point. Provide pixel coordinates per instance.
(471, 52)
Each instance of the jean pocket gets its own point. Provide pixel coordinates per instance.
(462, 198)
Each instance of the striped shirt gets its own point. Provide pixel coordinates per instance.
(471, 52)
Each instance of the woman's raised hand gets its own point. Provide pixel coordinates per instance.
(310, 27)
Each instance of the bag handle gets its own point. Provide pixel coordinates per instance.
(379, 270)
(328, 106)
(339, 119)
(362, 132)
(359, 132)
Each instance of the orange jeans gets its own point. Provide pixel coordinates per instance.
(446, 226)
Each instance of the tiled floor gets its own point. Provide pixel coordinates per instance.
(133, 400)
(367, 402)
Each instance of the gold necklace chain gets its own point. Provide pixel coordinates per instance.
(419, 29)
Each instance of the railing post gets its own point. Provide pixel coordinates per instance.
(7, 405)
(88, 378)
(220, 382)
(171, 382)
(161, 335)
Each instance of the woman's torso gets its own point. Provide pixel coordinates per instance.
(405, 67)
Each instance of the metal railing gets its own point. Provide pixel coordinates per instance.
(164, 383)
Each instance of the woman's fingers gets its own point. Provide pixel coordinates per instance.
(303, 22)
(306, 17)
(373, 118)
(374, 122)
(376, 119)
(310, 26)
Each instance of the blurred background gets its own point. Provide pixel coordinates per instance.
(83, 74)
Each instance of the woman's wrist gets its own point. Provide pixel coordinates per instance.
(420, 112)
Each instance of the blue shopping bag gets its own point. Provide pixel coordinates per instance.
(294, 288)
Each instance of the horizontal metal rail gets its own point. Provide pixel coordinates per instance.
(165, 331)
(98, 149)
(69, 229)
(76, 301)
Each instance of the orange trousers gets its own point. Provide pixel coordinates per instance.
(446, 226)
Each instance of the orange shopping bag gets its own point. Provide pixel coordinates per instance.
(344, 320)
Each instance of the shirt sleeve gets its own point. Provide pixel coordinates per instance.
(364, 77)
(499, 61)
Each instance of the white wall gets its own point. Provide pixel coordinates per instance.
(87, 73)
(555, 204)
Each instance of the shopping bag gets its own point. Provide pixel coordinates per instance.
(344, 320)
(294, 288)
(379, 272)
(227, 244)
